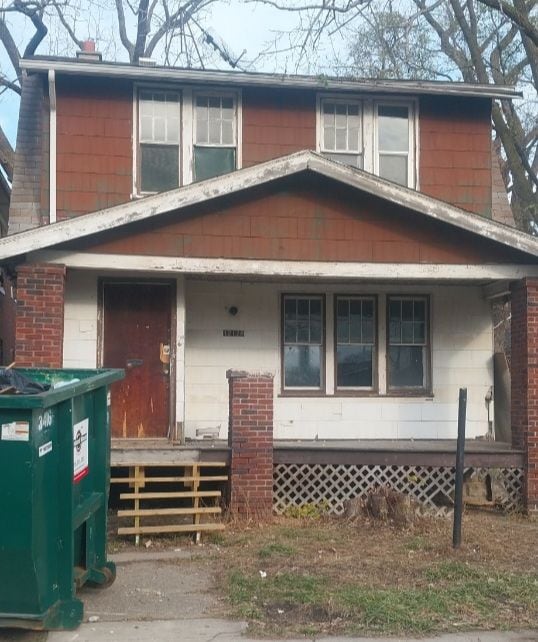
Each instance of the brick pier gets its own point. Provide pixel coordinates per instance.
(250, 437)
(524, 372)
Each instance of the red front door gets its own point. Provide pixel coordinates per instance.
(137, 337)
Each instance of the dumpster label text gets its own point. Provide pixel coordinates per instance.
(16, 431)
(45, 449)
(80, 450)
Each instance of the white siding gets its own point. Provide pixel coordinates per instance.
(80, 320)
(462, 348)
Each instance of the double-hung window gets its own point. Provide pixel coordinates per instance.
(372, 134)
(355, 333)
(303, 342)
(341, 135)
(393, 143)
(215, 135)
(159, 137)
(407, 343)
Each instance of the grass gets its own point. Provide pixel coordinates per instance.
(320, 576)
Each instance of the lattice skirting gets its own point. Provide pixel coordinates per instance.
(329, 485)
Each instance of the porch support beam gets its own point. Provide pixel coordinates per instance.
(180, 358)
(524, 371)
(287, 269)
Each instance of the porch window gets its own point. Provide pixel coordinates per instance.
(303, 342)
(408, 355)
(341, 138)
(355, 342)
(215, 146)
(393, 138)
(159, 122)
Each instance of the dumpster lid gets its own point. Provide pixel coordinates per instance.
(58, 385)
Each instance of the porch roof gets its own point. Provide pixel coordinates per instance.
(179, 200)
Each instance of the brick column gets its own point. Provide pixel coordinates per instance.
(524, 376)
(39, 329)
(250, 438)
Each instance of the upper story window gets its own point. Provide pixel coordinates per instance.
(375, 135)
(215, 146)
(159, 136)
(341, 136)
(184, 136)
(393, 139)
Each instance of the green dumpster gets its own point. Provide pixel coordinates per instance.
(54, 484)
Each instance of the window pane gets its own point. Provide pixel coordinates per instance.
(393, 168)
(341, 139)
(146, 128)
(419, 310)
(407, 332)
(213, 161)
(342, 321)
(302, 366)
(214, 132)
(159, 130)
(159, 167)
(328, 138)
(393, 129)
(290, 331)
(227, 105)
(355, 321)
(227, 132)
(354, 366)
(355, 160)
(406, 367)
(290, 308)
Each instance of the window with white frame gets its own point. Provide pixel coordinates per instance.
(408, 352)
(392, 144)
(303, 344)
(215, 135)
(341, 136)
(377, 136)
(158, 140)
(355, 332)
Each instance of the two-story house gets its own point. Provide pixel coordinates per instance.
(334, 234)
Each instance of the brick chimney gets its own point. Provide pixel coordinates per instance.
(87, 51)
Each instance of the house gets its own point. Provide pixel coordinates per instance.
(333, 237)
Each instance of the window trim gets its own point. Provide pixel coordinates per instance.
(304, 391)
(427, 389)
(137, 156)
(356, 391)
(369, 104)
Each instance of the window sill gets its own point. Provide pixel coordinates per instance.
(422, 394)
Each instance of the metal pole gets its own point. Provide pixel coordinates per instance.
(460, 451)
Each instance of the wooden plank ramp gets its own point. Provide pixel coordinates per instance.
(187, 500)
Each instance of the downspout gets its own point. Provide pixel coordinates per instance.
(52, 147)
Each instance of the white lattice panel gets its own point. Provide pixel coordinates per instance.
(330, 485)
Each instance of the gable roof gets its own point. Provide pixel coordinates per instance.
(262, 174)
(158, 73)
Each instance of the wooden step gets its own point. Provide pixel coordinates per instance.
(146, 512)
(182, 464)
(177, 528)
(171, 495)
(147, 479)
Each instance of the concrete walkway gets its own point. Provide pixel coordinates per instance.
(168, 597)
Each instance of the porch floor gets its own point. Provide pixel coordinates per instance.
(425, 452)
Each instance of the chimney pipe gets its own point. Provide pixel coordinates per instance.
(88, 46)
